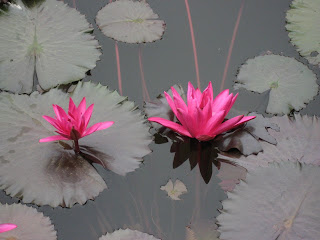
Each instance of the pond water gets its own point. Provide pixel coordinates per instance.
(135, 200)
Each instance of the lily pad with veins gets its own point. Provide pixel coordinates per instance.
(31, 224)
(51, 173)
(127, 234)
(297, 140)
(130, 21)
(48, 39)
(303, 25)
(291, 84)
(276, 202)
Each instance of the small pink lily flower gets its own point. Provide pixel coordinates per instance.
(203, 116)
(5, 227)
(73, 126)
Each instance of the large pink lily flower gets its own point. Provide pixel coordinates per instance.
(203, 116)
(5, 227)
(73, 126)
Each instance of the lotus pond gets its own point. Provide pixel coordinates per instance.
(149, 120)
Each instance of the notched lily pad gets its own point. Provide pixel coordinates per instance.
(276, 202)
(291, 84)
(303, 25)
(246, 138)
(130, 21)
(31, 223)
(202, 229)
(127, 234)
(50, 40)
(51, 173)
(297, 140)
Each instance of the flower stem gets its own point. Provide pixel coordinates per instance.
(76, 146)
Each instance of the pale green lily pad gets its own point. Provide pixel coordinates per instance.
(32, 225)
(50, 40)
(130, 21)
(127, 234)
(50, 173)
(292, 85)
(297, 140)
(303, 25)
(277, 202)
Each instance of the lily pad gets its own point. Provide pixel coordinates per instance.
(32, 225)
(291, 84)
(50, 40)
(276, 202)
(303, 25)
(202, 230)
(130, 21)
(127, 234)
(297, 140)
(51, 173)
(174, 190)
(246, 138)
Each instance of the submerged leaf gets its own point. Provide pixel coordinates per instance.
(202, 230)
(297, 140)
(245, 138)
(32, 225)
(51, 173)
(174, 190)
(127, 234)
(303, 25)
(292, 85)
(50, 40)
(277, 202)
(130, 21)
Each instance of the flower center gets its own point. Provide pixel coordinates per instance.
(274, 85)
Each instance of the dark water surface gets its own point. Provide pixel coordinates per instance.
(136, 200)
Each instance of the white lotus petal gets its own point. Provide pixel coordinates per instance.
(127, 234)
(297, 140)
(174, 190)
(303, 25)
(32, 225)
(130, 21)
(276, 202)
(46, 173)
(202, 230)
(50, 39)
(291, 83)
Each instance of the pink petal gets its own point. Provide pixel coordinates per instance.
(222, 102)
(82, 106)
(198, 96)
(232, 102)
(245, 119)
(171, 103)
(172, 125)
(189, 121)
(72, 107)
(207, 95)
(227, 125)
(5, 227)
(60, 113)
(190, 94)
(178, 101)
(220, 98)
(53, 138)
(97, 127)
(214, 122)
(87, 115)
(53, 122)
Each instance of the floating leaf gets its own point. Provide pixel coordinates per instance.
(202, 230)
(130, 21)
(127, 234)
(245, 138)
(303, 25)
(32, 225)
(297, 140)
(291, 83)
(277, 202)
(230, 175)
(50, 40)
(174, 190)
(51, 173)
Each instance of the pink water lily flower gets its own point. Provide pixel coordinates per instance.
(73, 126)
(5, 227)
(203, 116)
